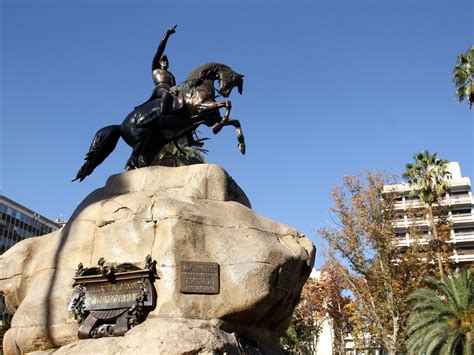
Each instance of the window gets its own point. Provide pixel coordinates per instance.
(463, 211)
(459, 194)
(463, 231)
(399, 216)
(467, 250)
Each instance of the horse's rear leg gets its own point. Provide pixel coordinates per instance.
(151, 152)
(136, 159)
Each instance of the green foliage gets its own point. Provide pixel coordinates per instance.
(463, 76)
(321, 304)
(3, 330)
(170, 155)
(442, 321)
(298, 339)
(428, 176)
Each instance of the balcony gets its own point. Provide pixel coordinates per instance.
(457, 238)
(463, 236)
(464, 256)
(457, 219)
(406, 223)
(404, 242)
(457, 200)
(404, 205)
(451, 200)
(462, 218)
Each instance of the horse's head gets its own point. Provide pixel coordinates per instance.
(229, 79)
(206, 74)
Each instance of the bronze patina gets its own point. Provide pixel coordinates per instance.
(167, 117)
(199, 277)
(109, 300)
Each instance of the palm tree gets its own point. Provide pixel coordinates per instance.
(428, 179)
(463, 76)
(442, 321)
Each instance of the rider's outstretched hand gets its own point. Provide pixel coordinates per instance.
(171, 30)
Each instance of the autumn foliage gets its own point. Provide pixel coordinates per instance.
(322, 303)
(378, 272)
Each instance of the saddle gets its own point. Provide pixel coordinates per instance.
(150, 111)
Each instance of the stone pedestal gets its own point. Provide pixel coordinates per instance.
(194, 213)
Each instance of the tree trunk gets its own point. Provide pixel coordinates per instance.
(435, 237)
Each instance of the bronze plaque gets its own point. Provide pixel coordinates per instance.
(106, 295)
(199, 277)
(108, 299)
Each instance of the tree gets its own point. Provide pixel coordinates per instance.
(336, 305)
(307, 321)
(442, 321)
(428, 178)
(170, 155)
(379, 273)
(463, 77)
(322, 303)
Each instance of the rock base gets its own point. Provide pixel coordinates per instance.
(196, 213)
(178, 336)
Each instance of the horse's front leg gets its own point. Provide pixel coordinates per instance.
(211, 105)
(232, 122)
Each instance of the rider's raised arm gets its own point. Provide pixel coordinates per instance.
(161, 48)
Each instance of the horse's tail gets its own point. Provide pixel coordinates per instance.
(103, 144)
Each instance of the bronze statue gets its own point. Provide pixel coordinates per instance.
(195, 104)
(165, 88)
(162, 78)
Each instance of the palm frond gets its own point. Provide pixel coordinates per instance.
(440, 313)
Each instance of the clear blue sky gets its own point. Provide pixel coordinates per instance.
(332, 88)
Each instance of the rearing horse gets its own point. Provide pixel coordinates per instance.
(147, 130)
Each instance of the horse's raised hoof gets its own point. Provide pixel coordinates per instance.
(242, 148)
(216, 128)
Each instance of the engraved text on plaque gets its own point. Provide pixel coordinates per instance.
(199, 277)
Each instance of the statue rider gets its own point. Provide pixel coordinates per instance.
(165, 85)
(162, 78)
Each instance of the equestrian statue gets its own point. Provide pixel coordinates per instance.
(170, 114)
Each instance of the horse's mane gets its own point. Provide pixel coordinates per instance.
(203, 72)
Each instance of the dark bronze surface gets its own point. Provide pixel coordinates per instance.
(109, 300)
(170, 114)
(199, 277)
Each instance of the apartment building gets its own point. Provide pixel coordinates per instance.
(460, 206)
(18, 222)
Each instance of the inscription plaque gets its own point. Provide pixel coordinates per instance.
(199, 277)
(109, 300)
(285, 280)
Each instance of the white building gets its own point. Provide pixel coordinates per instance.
(323, 343)
(18, 222)
(459, 203)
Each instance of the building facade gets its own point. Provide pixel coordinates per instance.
(460, 206)
(17, 223)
